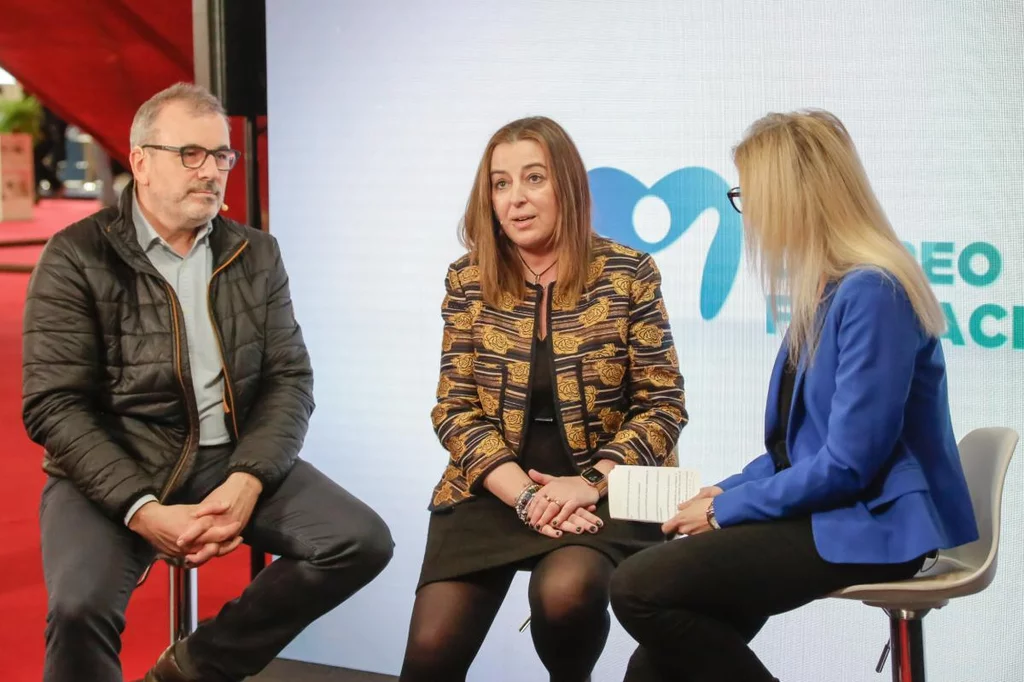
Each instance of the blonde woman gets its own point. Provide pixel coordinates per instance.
(861, 479)
(557, 364)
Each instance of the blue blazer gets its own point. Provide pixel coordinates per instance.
(874, 461)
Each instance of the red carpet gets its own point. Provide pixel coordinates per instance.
(22, 593)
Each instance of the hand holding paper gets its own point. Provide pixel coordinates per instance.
(651, 494)
(692, 518)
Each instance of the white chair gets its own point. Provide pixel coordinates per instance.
(959, 572)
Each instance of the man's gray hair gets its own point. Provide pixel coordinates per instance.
(197, 99)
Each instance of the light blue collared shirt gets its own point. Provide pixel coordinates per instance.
(189, 276)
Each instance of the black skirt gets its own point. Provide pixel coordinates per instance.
(484, 533)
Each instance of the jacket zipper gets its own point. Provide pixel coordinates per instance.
(187, 447)
(529, 379)
(229, 396)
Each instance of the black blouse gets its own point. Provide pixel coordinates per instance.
(778, 450)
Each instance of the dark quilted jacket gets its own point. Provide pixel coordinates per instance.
(106, 383)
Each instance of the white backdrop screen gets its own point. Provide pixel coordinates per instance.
(379, 112)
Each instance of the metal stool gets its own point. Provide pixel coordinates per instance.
(184, 594)
(184, 599)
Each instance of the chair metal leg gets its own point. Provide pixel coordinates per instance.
(257, 562)
(184, 602)
(906, 639)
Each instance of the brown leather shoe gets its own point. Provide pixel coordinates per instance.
(166, 669)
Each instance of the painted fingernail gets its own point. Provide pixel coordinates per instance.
(593, 529)
(600, 523)
(578, 529)
(558, 533)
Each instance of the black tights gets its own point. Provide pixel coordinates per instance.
(568, 607)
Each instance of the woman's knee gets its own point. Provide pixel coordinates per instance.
(569, 596)
(433, 653)
(426, 647)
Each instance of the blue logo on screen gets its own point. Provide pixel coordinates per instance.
(687, 192)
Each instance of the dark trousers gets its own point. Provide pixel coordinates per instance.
(695, 603)
(330, 545)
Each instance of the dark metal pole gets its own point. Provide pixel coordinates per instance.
(257, 562)
(210, 62)
(254, 216)
(907, 639)
(253, 211)
(184, 597)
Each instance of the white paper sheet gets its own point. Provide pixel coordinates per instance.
(652, 494)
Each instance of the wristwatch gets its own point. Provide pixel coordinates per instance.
(712, 521)
(596, 479)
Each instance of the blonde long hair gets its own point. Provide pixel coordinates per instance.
(494, 253)
(809, 213)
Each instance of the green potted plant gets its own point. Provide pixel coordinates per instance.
(23, 115)
(20, 128)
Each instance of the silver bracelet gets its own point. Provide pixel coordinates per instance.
(523, 501)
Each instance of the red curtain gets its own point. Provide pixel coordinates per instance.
(94, 62)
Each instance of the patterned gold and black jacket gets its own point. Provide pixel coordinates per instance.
(620, 393)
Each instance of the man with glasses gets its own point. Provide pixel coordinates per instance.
(166, 377)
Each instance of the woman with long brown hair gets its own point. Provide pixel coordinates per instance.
(861, 478)
(557, 364)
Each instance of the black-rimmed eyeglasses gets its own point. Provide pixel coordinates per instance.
(193, 156)
(735, 199)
